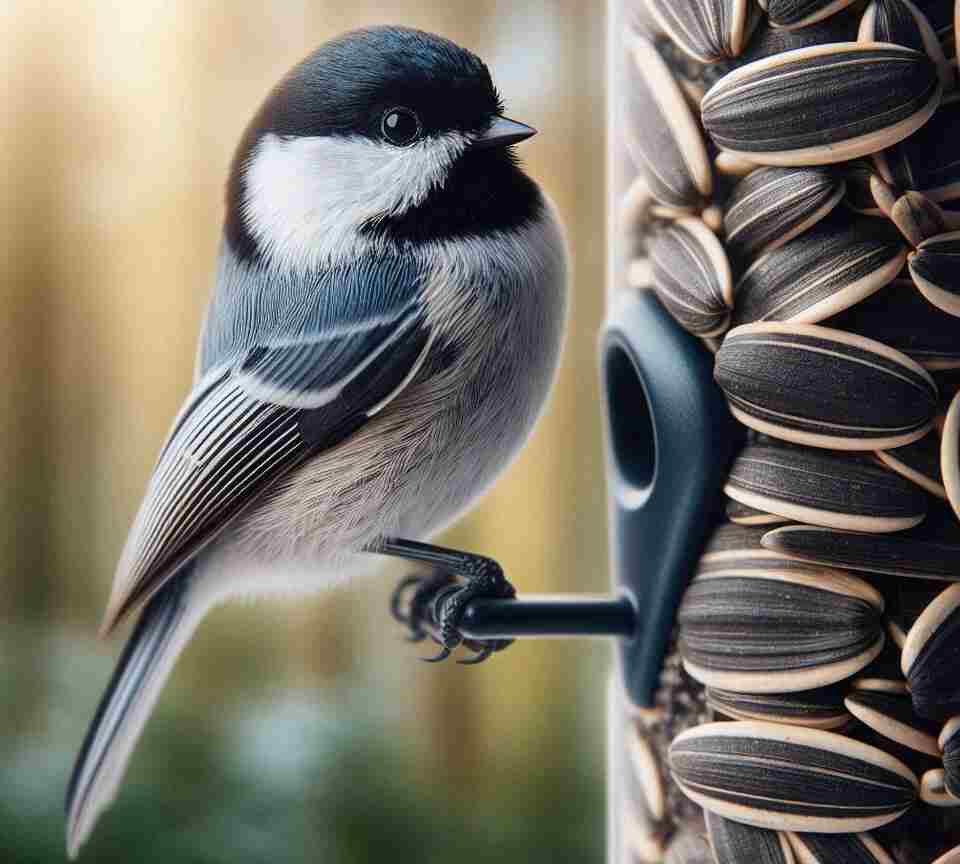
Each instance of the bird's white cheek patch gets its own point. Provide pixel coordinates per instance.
(306, 198)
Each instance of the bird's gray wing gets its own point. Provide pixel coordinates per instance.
(249, 423)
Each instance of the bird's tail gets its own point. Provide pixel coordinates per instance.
(164, 628)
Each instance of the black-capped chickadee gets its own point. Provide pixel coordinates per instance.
(384, 328)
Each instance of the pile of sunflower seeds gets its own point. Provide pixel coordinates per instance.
(794, 201)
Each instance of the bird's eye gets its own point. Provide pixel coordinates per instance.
(400, 126)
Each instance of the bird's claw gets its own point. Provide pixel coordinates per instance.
(438, 602)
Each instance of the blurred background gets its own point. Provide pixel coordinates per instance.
(303, 732)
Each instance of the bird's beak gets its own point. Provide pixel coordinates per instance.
(502, 132)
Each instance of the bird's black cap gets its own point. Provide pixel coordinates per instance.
(347, 83)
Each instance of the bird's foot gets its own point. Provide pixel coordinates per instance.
(434, 605)
(412, 600)
(480, 577)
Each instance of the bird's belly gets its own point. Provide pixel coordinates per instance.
(410, 471)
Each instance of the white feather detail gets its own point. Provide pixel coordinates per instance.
(306, 198)
(309, 399)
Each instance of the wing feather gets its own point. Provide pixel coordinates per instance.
(246, 426)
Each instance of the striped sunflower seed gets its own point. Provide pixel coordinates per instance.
(744, 515)
(891, 715)
(902, 23)
(949, 744)
(951, 857)
(827, 489)
(773, 205)
(733, 842)
(802, 13)
(779, 629)
(928, 659)
(822, 387)
(768, 40)
(950, 455)
(900, 317)
(929, 551)
(919, 218)
(935, 268)
(831, 266)
(819, 708)
(834, 848)
(804, 107)
(933, 791)
(788, 778)
(731, 541)
(928, 160)
(663, 138)
(919, 462)
(692, 277)
(706, 30)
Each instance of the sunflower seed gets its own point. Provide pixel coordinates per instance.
(646, 771)
(919, 462)
(823, 387)
(662, 137)
(951, 857)
(929, 656)
(707, 30)
(733, 166)
(777, 629)
(833, 265)
(807, 107)
(691, 276)
(731, 541)
(769, 40)
(826, 489)
(929, 551)
(933, 791)
(744, 515)
(935, 268)
(733, 842)
(802, 13)
(858, 176)
(891, 715)
(950, 454)
(834, 848)
(819, 708)
(789, 778)
(928, 161)
(916, 761)
(883, 193)
(772, 205)
(949, 743)
(900, 317)
(906, 602)
(918, 218)
(902, 23)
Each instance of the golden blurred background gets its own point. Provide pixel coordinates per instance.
(289, 732)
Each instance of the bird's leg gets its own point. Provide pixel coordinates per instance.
(481, 577)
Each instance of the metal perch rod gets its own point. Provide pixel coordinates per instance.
(534, 615)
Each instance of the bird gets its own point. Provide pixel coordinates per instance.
(384, 328)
